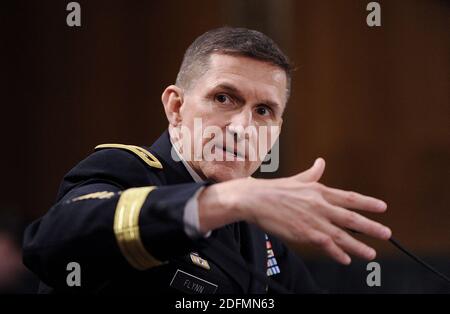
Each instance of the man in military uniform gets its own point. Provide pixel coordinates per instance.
(158, 219)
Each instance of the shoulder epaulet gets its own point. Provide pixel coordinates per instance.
(145, 155)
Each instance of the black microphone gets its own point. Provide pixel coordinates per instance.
(414, 257)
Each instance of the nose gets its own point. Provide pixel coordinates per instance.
(239, 122)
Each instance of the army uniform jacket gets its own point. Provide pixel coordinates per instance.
(119, 216)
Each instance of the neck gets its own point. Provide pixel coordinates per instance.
(178, 148)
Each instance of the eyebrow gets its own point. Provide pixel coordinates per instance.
(237, 94)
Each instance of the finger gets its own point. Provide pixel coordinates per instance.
(326, 243)
(352, 245)
(349, 199)
(354, 221)
(314, 173)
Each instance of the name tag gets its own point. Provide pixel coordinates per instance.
(191, 284)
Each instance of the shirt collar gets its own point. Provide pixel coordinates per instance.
(188, 167)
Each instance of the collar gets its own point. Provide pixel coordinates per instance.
(188, 167)
(175, 170)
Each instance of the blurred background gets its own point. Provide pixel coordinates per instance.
(373, 101)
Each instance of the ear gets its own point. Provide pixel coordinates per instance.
(172, 99)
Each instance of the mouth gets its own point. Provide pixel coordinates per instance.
(234, 152)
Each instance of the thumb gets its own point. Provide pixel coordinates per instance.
(314, 173)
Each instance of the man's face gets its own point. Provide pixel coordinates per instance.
(235, 94)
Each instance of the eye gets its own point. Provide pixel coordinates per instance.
(263, 110)
(222, 98)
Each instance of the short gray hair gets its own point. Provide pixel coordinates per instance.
(231, 41)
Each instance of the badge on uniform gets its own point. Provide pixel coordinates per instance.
(197, 260)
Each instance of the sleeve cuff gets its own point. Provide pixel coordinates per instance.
(191, 219)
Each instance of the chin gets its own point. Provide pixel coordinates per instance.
(220, 172)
